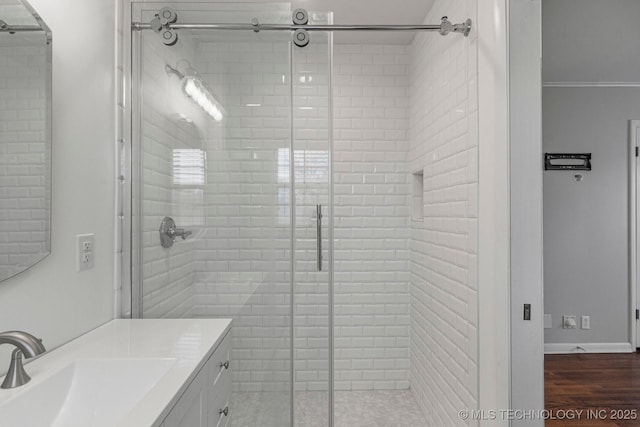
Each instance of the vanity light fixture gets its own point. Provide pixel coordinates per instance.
(196, 89)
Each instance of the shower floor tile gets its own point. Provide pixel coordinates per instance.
(396, 408)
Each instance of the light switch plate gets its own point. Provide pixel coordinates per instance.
(585, 322)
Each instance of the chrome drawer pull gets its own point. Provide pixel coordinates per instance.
(224, 411)
(225, 365)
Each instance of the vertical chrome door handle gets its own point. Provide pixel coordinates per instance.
(319, 235)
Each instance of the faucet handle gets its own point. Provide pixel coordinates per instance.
(169, 232)
(16, 375)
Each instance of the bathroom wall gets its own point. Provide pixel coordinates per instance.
(444, 147)
(371, 198)
(243, 256)
(171, 134)
(310, 113)
(52, 300)
(24, 195)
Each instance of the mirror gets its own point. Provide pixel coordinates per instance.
(25, 138)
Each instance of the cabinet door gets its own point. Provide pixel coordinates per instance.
(220, 384)
(191, 409)
(219, 412)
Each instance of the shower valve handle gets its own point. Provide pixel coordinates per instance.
(178, 232)
(169, 232)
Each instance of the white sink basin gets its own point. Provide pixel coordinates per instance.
(88, 392)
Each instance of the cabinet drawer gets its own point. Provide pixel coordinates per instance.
(220, 362)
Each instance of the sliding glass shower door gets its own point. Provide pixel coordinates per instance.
(231, 201)
(313, 302)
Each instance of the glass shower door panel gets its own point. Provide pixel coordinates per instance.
(171, 170)
(311, 155)
(219, 174)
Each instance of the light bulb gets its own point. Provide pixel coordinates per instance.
(200, 94)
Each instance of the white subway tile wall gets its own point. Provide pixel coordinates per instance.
(444, 144)
(371, 196)
(24, 194)
(243, 256)
(168, 130)
(248, 213)
(311, 100)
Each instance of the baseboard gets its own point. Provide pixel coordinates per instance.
(592, 347)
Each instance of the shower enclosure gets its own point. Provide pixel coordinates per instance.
(243, 208)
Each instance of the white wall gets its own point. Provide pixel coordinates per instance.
(371, 202)
(245, 211)
(52, 300)
(169, 121)
(243, 256)
(494, 352)
(444, 257)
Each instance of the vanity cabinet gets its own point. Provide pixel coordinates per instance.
(191, 409)
(205, 402)
(219, 385)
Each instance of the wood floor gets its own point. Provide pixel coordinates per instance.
(606, 387)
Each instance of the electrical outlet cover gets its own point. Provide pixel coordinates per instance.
(85, 251)
(569, 322)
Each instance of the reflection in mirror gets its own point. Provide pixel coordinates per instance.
(25, 137)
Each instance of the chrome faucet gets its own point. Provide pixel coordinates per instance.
(26, 344)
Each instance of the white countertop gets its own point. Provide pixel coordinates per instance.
(187, 341)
